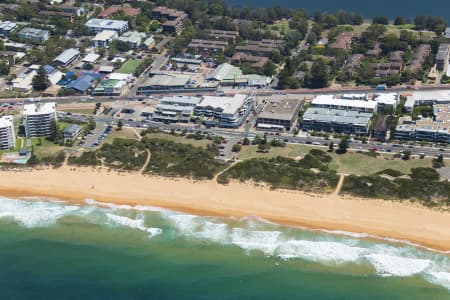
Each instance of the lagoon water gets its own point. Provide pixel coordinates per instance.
(56, 250)
(389, 8)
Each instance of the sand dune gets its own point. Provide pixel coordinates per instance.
(382, 218)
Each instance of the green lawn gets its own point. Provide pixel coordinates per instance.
(361, 164)
(290, 150)
(46, 148)
(349, 163)
(130, 66)
(125, 133)
(83, 111)
(180, 139)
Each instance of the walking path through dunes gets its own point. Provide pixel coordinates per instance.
(149, 156)
(339, 185)
(383, 218)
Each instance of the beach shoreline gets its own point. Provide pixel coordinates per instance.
(376, 218)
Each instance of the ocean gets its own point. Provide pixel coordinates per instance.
(391, 9)
(55, 250)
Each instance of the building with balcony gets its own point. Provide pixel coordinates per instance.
(7, 133)
(38, 119)
(227, 112)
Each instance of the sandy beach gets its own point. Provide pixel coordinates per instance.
(416, 224)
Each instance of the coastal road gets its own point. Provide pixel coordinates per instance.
(236, 135)
(263, 92)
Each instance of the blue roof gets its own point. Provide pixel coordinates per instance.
(49, 69)
(82, 83)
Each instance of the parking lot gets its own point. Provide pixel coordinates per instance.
(96, 136)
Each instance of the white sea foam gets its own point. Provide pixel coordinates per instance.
(388, 265)
(320, 251)
(252, 234)
(133, 223)
(439, 278)
(265, 241)
(185, 224)
(217, 232)
(108, 205)
(34, 213)
(346, 233)
(113, 206)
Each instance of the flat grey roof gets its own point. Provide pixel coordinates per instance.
(281, 109)
(67, 55)
(337, 116)
(166, 80)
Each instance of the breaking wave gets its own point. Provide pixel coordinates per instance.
(252, 234)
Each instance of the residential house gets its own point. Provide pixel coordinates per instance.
(207, 46)
(132, 38)
(33, 35)
(7, 27)
(174, 18)
(343, 40)
(97, 25)
(66, 57)
(442, 57)
(71, 132)
(104, 38)
(224, 35)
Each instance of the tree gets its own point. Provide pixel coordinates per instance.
(342, 146)
(269, 68)
(246, 141)
(40, 80)
(438, 162)
(4, 67)
(92, 124)
(319, 74)
(53, 132)
(117, 64)
(406, 155)
(399, 21)
(331, 147)
(119, 125)
(236, 148)
(380, 20)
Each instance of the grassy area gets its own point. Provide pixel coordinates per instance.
(181, 160)
(281, 26)
(9, 94)
(125, 133)
(292, 151)
(395, 29)
(349, 163)
(43, 148)
(361, 164)
(130, 66)
(83, 111)
(167, 158)
(180, 139)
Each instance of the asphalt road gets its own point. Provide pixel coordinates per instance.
(262, 92)
(235, 135)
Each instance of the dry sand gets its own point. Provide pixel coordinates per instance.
(417, 224)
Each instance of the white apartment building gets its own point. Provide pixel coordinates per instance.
(7, 133)
(104, 38)
(38, 118)
(97, 25)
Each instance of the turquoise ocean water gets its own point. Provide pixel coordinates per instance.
(56, 250)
